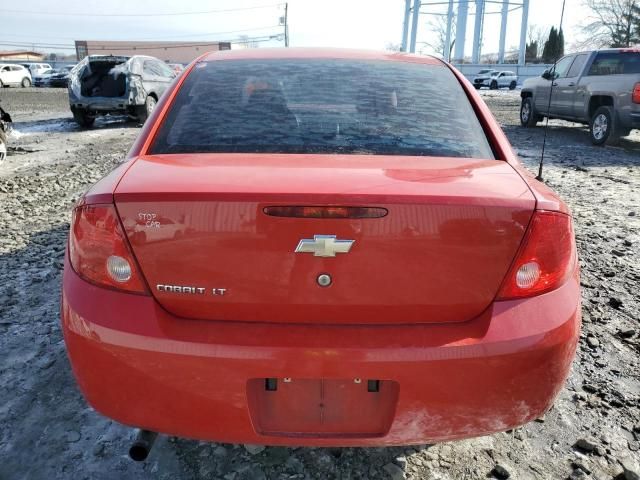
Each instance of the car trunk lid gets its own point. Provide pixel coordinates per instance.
(198, 228)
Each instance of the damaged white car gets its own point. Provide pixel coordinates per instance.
(105, 84)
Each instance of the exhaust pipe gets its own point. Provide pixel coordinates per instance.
(142, 445)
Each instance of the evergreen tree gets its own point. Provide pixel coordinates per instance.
(548, 52)
(554, 46)
(560, 45)
(531, 53)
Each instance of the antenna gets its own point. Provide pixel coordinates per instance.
(546, 123)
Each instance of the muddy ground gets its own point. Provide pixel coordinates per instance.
(47, 431)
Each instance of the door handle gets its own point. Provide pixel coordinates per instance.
(554, 84)
(571, 84)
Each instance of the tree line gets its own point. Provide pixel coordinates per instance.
(608, 24)
(553, 48)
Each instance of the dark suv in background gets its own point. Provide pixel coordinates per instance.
(599, 88)
(102, 84)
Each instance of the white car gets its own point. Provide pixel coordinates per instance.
(494, 79)
(36, 68)
(17, 75)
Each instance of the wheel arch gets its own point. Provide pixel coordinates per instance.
(599, 100)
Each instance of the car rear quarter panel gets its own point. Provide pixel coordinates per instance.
(546, 199)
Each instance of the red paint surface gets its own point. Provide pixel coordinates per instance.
(440, 254)
(421, 317)
(143, 367)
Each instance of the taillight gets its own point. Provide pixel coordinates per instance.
(635, 96)
(99, 252)
(546, 258)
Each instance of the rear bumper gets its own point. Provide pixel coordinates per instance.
(143, 367)
(103, 105)
(632, 120)
(117, 106)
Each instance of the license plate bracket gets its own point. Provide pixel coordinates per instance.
(322, 407)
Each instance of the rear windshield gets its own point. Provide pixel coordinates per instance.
(322, 106)
(615, 63)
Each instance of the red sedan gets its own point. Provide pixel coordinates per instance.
(321, 247)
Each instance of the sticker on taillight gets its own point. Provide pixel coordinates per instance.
(98, 250)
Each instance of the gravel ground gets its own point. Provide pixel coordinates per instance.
(47, 431)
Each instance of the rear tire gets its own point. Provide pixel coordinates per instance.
(147, 109)
(25, 82)
(82, 117)
(512, 85)
(494, 85)
(477, 86)
(603, 128)
(528, 116)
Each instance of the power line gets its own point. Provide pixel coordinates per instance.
(37, 45)
(202, 34)
(151, 38)
(147, 14)
(260, 39)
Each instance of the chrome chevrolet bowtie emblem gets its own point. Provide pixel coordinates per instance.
(324, 246)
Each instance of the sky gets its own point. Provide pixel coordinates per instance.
(375, 24)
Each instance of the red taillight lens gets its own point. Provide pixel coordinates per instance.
(635, 96)
(99, 252)
(546, 258)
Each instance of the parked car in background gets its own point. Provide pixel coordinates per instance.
(60, 79)
(353, 256)
(600, 88)
(495, 79)
(36, 68)
(481, 76)
(101, 85)
(14, 75)
(42, 79)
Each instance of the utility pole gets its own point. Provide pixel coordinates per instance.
(286, 25)
(414, 25)
(447, 43)
(405, 25)
(503, 30)
(523, 32)
(461, 30)
(477, 31)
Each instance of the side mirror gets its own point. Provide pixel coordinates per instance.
(547, 75)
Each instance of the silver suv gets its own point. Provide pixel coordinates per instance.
(599, 88)
(495, 79)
